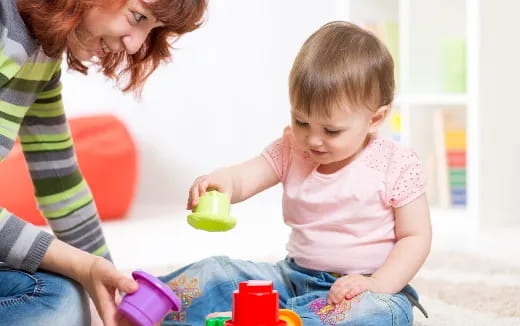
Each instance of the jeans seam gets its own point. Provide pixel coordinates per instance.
(24, 298)
(390, 309)
(225, 266)
(404, 312)
(287, 283)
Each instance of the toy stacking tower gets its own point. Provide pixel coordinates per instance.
(255, 304)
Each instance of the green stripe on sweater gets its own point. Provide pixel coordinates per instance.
(65, 211)
(24, 85)
(51, 93)
(50, 138)
(3, 213)
(7, 65)
(9, 117)
(48, 100)
(51, 186)
(69, 193)
(37, 71)
(12, 109)
(100, 251)
(3, 79)
(47, 147)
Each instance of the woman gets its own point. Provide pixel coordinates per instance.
(40, 275)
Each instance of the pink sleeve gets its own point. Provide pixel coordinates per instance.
(406, 179)
(277, 154)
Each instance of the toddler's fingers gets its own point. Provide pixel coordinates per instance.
(352, 293)
(194, 195)
(203, 186)
(334, 297)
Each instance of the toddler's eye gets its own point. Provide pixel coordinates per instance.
(332, 132)
(138, 17)
(301, 123)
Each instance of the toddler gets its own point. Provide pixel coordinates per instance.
(355, 202)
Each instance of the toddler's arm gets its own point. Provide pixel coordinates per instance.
(414, 234)
(240, 181)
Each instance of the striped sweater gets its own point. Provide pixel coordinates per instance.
(31, 108)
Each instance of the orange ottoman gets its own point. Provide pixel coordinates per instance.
(107, 157)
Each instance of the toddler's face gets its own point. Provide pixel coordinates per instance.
(333, 141)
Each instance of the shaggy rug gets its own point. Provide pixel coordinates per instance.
(468, 289)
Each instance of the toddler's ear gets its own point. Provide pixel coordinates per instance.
(378, 118)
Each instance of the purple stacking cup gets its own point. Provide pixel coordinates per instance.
(150, 303)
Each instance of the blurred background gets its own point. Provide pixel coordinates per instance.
(224, 98)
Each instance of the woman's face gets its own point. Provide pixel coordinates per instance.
(106, 30)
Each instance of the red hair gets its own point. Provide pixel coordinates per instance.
(54, 23)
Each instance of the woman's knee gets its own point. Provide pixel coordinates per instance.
(68, 298)
(43, 299)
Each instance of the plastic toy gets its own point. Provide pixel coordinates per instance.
(290, 317)
(212, 213)
(150, 303)
(255, 303)
(217, 321)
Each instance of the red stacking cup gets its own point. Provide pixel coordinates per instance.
(255, 303)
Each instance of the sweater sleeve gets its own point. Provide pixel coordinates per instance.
(63, 196)
(22, 245)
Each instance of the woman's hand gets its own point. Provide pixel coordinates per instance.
(96, 274)
(102, 281)
(349, 286)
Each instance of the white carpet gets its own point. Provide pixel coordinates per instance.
(468, 289)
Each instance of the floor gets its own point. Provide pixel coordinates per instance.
(472, 276)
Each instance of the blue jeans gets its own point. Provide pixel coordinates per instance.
(207, 286)
(41, 298)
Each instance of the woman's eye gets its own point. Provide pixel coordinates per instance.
(301, 123)
(138, 17)
(332, 132)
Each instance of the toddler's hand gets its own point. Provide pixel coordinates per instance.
(348, 287)
(214, 181)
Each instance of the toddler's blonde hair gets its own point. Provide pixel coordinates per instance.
(340, 64)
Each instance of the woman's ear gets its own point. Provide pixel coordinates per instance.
(378, 118)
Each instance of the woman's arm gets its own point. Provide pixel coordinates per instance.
(414, 235)
(63, 195)
(96, 274)
(240, 181)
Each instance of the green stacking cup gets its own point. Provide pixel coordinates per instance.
(212, 213)
(218, 321)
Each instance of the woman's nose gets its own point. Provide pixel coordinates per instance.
(134, 41)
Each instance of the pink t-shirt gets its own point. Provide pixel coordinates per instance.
(344, 222)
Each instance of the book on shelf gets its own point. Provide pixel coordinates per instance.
(450, 148)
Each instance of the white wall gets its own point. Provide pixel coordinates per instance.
(221, 100)
(499, 112)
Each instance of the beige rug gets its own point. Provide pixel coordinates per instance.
(467, 289)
